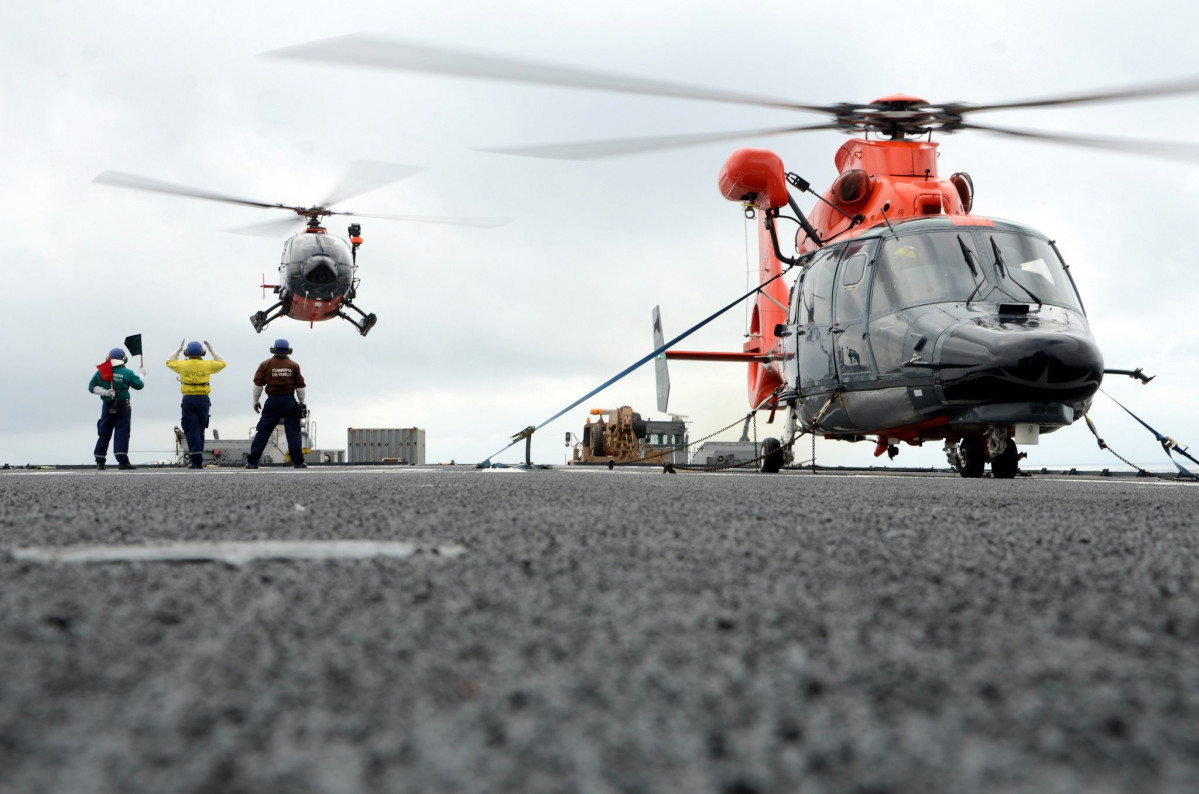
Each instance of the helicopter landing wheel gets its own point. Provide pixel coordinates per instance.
(972, 457)
(1005, 465)
(258, 320)
(772, 456)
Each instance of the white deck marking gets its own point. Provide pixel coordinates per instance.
(235, 552)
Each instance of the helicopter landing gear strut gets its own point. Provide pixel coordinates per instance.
(971, 457)
(368, 320)
(261, 319)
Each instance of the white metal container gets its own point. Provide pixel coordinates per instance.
(385, 445)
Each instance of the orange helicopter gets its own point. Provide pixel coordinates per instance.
(912, 319)
(318, 271)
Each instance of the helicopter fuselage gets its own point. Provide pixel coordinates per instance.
(317, 280)
(912, 319)
(934, 328)
(316, 273)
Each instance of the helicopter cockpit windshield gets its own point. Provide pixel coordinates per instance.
(1033, 264)
(923, 268)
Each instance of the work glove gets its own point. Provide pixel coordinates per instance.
(303, 410)
(215, 356)
(257, 407)
(179, 351)
(103, 392)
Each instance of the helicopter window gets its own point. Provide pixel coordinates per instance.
(851, 297)
(306, 245)
(818, 287)
(853, 268)
(1033, 264)
(921, 268)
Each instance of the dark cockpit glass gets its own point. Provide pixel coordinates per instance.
(921, 268)
(306, 245)
(1035, 268)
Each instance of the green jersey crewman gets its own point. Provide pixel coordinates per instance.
(112, 382)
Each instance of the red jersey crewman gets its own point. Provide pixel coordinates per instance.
(284, 385)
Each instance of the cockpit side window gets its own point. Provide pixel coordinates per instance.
(921, 268)
(1035, 268)
(818, 286)
(852, 281)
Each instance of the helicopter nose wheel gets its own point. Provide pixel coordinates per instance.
(1005, 464)
(972, 457)
(258, 320)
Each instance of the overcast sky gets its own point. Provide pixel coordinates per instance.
(483, 332)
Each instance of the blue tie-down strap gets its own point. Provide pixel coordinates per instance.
(1168, 444)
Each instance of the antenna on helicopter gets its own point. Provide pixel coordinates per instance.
(802, 185)
(887, 220)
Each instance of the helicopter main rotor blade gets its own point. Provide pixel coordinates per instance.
(1186, 85)
(1164, 149)
(485, 223)
(134, 182)
(280, 227)
(364, 176)
(595, 150)
(395, 54)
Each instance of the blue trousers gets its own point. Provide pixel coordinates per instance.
(279, 408)
(109, 423)
(194, 422)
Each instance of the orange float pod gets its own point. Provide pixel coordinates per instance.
(755, 176)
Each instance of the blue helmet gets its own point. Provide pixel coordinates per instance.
(195, 349)
(117, 352)
(281, 346)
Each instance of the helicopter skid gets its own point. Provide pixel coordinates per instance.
(368, 320)
(262, 319)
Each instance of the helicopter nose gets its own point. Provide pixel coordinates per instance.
(320, 270)
(1017, 363)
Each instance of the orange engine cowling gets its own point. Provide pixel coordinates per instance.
(755, 176)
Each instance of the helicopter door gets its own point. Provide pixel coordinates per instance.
(816, 369)
(853, 359)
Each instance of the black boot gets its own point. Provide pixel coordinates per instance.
(123, 463)
(100, 464)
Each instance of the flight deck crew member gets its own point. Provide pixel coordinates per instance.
(284, 385)
(115, 412)
(193, 373)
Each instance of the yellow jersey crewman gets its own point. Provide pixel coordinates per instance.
(193, 373)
